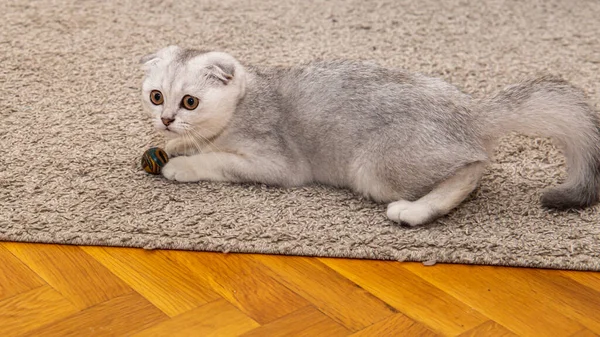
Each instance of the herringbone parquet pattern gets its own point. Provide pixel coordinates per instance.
(52, 290)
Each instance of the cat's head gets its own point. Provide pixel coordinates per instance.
(190, 91)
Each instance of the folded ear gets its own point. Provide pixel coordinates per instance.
(147, 58)
(222, 71)
(166, 53)
(148, 62)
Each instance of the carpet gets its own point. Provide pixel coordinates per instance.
(72, 131)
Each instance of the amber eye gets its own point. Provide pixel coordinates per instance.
(156, 97)
(190, 102)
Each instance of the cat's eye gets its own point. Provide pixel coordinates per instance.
(190, 102)
(156, 97)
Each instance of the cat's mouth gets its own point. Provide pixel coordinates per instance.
(169, 132)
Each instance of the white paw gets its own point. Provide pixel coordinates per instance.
(180, 169)
(172, 148)
(177, 147)
(410, 213)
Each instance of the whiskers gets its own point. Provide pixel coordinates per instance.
(197, 140)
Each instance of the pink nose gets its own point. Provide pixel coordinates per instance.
(167, 121)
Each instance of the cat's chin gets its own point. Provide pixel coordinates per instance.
(169, 133)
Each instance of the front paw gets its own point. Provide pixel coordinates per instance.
(178, 147)
(180, 169)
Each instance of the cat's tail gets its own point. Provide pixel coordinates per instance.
(551, 107)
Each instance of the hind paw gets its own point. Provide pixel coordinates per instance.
(410, 213)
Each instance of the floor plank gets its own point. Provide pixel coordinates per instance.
(579, 302)
(15, 276)
(410, 294)
(24, 312)
(130, 313)
(72, 272)
(489, 328)
(171, 287)
(396, 325)
(218, 318)
(509, 296)
(243, 282)
(307, 321)
(586, 278)
(585, 333)
(329, 291)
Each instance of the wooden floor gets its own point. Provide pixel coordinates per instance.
(51, 290)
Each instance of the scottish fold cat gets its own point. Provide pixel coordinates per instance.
(406, 139)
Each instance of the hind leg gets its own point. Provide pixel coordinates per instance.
(441, 200)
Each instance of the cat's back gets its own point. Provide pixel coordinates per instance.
(365, 94)
(337, 82)
(356, 74)
(341, 75)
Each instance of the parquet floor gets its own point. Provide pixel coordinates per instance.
(51, 290)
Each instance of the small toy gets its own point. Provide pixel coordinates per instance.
(154, 159)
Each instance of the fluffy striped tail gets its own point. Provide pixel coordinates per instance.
(551, 107)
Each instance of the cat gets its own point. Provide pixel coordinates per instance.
(412, 141)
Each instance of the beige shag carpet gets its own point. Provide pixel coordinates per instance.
(72, 131)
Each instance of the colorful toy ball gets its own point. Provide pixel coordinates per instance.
(154, 159)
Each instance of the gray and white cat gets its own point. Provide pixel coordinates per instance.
(406, 139)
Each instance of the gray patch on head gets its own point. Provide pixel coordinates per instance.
(187, 54)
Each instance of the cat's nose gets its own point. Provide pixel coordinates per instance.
(167, 121)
